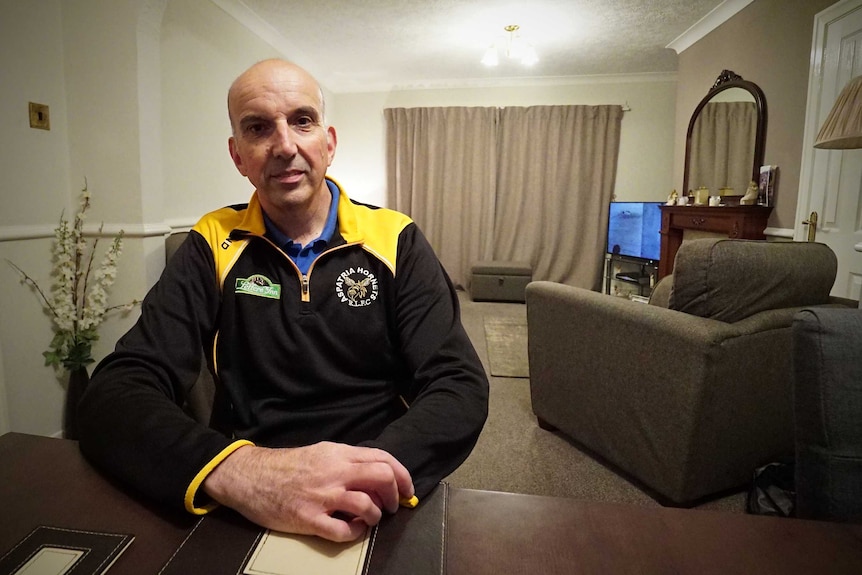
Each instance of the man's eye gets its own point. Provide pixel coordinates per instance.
(256, 128)
(304, 122)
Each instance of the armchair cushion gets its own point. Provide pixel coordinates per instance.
(729, 280)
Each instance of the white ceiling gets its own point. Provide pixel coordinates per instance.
(370, 45)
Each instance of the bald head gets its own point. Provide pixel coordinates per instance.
(281, 144)
(271, 74)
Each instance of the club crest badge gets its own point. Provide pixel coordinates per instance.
(357, 287)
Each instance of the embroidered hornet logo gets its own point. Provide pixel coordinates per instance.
(357, 287)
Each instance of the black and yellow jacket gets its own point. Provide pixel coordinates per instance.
(367, 348)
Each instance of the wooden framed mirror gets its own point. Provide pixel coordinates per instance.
(726, 137)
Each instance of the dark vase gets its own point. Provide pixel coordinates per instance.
(78, 380)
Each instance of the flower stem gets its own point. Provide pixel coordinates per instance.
(33, 283)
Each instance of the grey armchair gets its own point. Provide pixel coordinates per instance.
(688, 399)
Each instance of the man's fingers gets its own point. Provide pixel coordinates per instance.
(378, 480)
(403, 481)
(360, 505)
(340, 529)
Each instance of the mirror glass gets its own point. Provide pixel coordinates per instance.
(724, 142)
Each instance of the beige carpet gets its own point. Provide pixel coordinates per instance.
(506, 338)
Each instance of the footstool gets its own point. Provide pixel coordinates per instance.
(500, 281)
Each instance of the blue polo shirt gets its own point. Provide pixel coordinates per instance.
(301, 255)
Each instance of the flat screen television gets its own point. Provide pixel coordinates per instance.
(633, 230)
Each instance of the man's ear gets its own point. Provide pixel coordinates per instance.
(331, 143)
(234, 154)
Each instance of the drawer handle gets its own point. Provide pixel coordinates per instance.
(698, 221)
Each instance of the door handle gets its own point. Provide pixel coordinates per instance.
(811, 222)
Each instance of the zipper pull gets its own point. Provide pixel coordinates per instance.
(304, 285)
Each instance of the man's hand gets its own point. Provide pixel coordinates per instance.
(298, 490)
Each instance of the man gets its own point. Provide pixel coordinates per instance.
(345, 381)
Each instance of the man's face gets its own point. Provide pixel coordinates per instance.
(280, 142)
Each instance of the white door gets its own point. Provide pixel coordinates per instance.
(831, 180)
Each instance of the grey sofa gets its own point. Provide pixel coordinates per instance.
(827, 396)
(689, 395)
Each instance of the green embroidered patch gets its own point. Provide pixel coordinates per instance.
(258, 285)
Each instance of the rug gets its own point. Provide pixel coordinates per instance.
(506, 339)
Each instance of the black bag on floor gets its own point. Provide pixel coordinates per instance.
(773, 490)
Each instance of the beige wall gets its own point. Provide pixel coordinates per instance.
(203, 49)
(81, 59)
(34, 190)
(768, 43)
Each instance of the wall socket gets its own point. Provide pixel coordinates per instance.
(39, 116)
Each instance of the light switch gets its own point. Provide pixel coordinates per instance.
(39, 116)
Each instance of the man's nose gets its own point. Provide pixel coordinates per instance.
(284, 143)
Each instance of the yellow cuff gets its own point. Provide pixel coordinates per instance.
(191, 492)
(409, 503)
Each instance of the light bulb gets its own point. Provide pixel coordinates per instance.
(490, 58)
(529, 56)
(516, 47)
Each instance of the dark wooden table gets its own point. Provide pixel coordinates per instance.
(46, 481)
(493, 533)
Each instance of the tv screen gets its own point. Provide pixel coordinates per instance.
(633, 229)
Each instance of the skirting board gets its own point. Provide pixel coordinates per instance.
(782, 233)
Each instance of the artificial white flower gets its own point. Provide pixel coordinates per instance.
(79, 296)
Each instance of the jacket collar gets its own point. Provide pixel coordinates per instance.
(252, 222)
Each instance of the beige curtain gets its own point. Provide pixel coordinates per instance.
(555, 178)
(529, 184)
(722, 146)
(441, 165)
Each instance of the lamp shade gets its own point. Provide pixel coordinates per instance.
(842, 129)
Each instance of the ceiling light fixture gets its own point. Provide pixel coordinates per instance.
(516, 48)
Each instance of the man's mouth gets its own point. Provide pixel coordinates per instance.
(289, 176)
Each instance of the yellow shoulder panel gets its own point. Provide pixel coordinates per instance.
(216, 227)
(377, 229)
